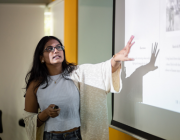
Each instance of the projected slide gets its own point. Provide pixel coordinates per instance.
(156, 27)
(150, 97)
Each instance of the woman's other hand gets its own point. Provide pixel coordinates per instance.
(51, 112)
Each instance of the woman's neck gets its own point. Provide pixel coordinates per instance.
(55, 69)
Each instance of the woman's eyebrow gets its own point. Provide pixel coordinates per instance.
(56, 45)
(49, 46)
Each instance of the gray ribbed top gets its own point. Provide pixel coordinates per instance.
(64, 94)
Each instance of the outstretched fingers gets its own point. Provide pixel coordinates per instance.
(128, 49)
(129, 59)
(130, 40)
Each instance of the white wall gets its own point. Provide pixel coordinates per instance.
(21, 28)
(57, 9)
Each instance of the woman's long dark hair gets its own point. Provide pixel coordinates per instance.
(39, 72)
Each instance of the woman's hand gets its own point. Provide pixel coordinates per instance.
(51, 112)
(123, 54)
(45, 114)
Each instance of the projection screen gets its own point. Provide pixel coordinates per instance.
(149, 102)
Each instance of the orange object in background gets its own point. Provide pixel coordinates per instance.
(71, 30)
(117, 135)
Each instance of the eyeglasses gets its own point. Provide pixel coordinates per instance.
(51, 48)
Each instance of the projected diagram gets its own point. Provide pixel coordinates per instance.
(172, 15)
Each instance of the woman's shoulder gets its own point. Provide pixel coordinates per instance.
(33, 86)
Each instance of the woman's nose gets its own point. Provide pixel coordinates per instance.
(55, 50)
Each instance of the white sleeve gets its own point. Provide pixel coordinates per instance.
(99, 75)
(33, 132)
(112, 81)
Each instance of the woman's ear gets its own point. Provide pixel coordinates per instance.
(41, 59)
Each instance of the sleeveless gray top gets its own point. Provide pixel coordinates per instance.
(64, 94)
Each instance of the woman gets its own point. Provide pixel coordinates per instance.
(79, 92)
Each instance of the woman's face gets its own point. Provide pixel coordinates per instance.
(52, 57)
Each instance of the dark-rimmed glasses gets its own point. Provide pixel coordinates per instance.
(51, 48)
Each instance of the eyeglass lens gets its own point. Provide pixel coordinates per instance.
(50, 48)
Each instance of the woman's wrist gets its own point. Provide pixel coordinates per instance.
(43, 116)
(46, 112)
(115, 64)
(114, 59)
(40, 119)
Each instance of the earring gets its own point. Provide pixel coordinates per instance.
(42, 61)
